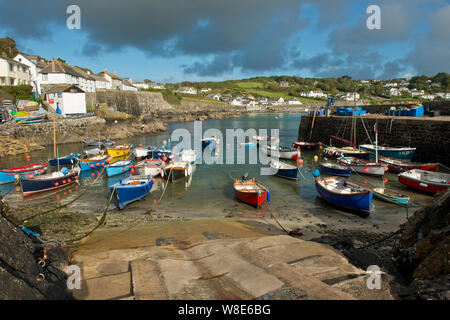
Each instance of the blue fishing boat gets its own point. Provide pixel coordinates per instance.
(13, 174)
(284, 170)
(118, 167)
(65, 161)
(345, 194)
(335, 169)
(95, 162)
(390, 152)
(49, 181)
(131, 189)
(209, 142)
(390, 196)
(164, 154)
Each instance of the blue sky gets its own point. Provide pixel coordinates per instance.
(199, 40)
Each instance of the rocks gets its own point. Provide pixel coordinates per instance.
(21, 277)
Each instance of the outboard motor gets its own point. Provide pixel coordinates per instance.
(245, 176)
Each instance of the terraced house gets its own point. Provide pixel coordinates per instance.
(13, 73)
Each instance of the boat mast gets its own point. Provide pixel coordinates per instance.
(376, 142)
(354, 117)
(54, 135)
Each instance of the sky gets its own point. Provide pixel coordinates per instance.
(214, 40)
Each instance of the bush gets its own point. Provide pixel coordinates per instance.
(21, 92)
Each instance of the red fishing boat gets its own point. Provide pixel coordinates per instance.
(13, 174)
(399, 165)
(251, 191)
(426, 181)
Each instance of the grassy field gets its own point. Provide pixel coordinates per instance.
(250, 84)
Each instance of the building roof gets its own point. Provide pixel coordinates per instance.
(12, 60)
(98, 77)
(40, 62)
(56, 66)
(61, 88)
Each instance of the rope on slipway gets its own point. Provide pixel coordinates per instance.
(382, 240)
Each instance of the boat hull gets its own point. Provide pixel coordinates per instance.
(32, 186)
(396, 153)
(9, 175)
(118, 152)
(358, 202)
(335, 171)
(65, 161)
(397, 166)
(251, 198)
(126, 194)
(425, 186)
(306, 146)
(87, 165)
(114, 170)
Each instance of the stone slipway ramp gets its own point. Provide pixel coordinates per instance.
(255, 266)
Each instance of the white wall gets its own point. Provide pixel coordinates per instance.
(73, 103)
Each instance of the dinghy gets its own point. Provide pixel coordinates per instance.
(119, 151)
(49, 181)
(346, 152)
(93, 152)
(251, 191)
(390, 196)
(190, 156)
(283, 152)
(306, 146)
(364, 167)
(141, 153)
(284, 170)
(95, 162)
(399, 166)
(131, 189)
(118, 167)
(13, 174)
(177, 170)
(343, 193)
(390, 152)
(427, 181)
(65, 161)
(99, 143)
(152, 167)
(335, 169)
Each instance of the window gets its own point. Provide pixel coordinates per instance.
(24, 69)
(11, 67)
(45, 76)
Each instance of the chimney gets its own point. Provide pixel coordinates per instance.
(106, 70)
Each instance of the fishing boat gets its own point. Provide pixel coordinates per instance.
(390, 196)
(283, 152)
(93, 152)
(13, 174)
(49, 181)
(399, 166)
(346, 152)
(131, 189)
(65, 161)
(141, 152)
(190, 156)
(165, 155)
(260, 139)
(152, 167)
(390, 152)
(99, 143)
(363, 166)
(119, 151)
(345, 194)
(306, 146)
(284, 170)
(209, 142)
(177, 171)
(93, 162)
(251, 191)
(335, 169)
(427, 181)
(118, 167)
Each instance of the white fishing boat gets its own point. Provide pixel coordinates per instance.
(153, 167)
(190, 156)
(177, 170)
(283, 152)
(364, 167)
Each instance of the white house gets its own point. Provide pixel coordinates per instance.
(58, 73)
(348, 96)
(214, 96)
(313, 94)
(101, 82)
(394, 92)
(293, 102)
(35, 65)
(155, 85)
(205, 90)
(428, 96)
(443, 95)
(127, 86)
(238, 101)
(391, 85)
(187, 90)
(276, 102)
(415, 92)
(66, 99)
(13, 73)
(284, 84)
(263, 100)
(140, 85)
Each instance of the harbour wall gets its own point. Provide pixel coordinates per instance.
(442, 106)
(431, 136)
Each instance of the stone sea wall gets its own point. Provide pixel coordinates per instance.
(430, 136)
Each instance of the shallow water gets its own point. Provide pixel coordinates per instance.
(209, 192)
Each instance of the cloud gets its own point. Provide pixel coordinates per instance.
(252, 36)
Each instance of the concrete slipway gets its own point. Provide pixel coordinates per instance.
(214, 259)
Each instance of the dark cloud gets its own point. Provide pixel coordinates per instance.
(253, 36)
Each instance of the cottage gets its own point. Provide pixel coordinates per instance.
(443, 95)
(284, 84)
(35, 64)
(155, 85)
(313, 94)
(205, 90)
(66, 99)
(293, 102)
(394, 92)
(238, 101)
(187, 90)
(348, 96)
(428, 96)
(13, 73)
(214, 96)
(415, 92)
(276, 102)
(391, 85)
